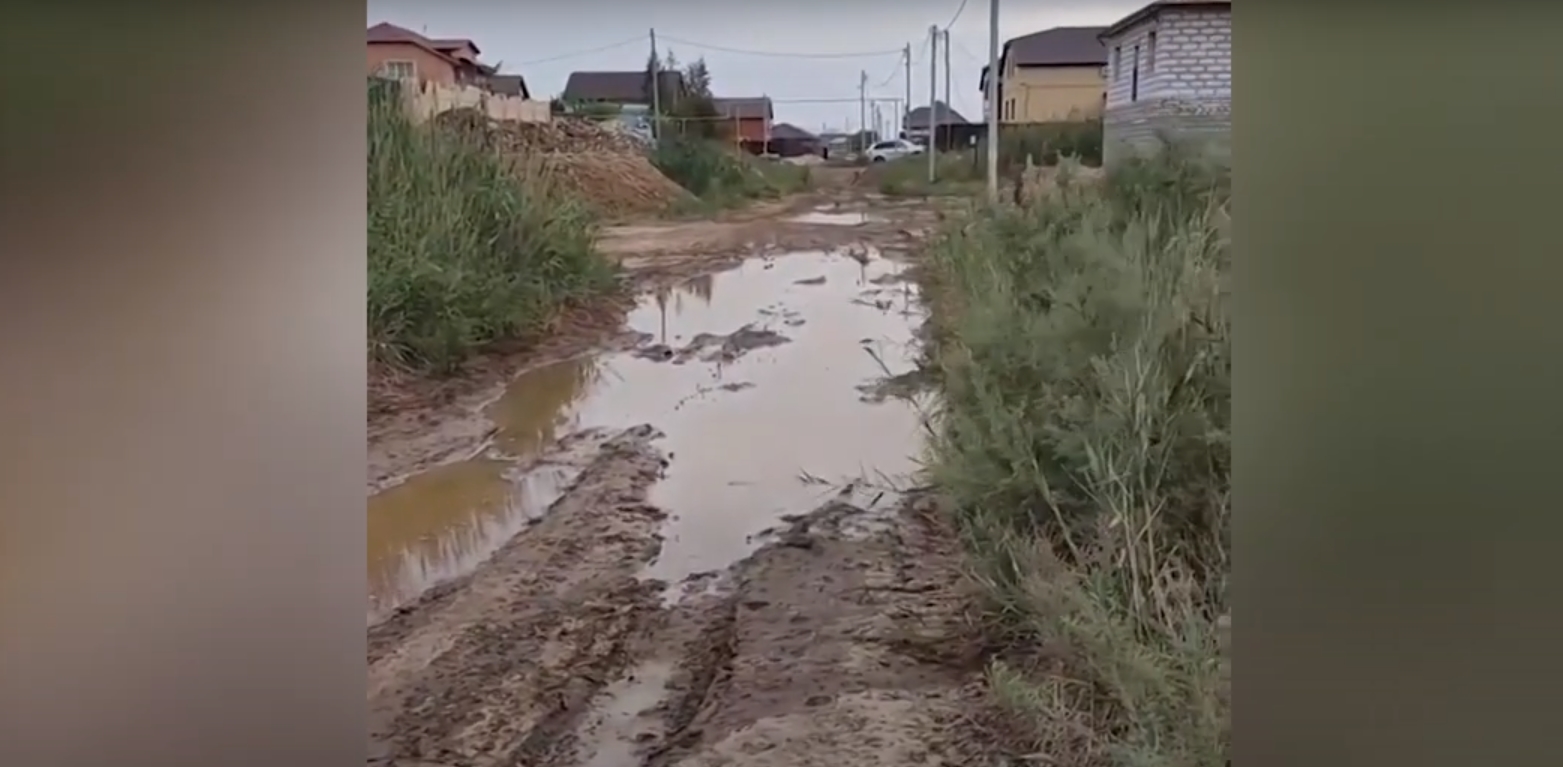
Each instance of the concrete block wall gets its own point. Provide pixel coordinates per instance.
(1185, 89)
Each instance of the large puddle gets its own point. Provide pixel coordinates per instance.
(760, 423)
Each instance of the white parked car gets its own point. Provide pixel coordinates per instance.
(892, 150)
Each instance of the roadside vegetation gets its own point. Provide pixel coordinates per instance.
(465, 248)
(698, 151)
(1083, 345)
(720, 176)
(964, 172)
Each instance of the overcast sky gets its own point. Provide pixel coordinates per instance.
(545, 42)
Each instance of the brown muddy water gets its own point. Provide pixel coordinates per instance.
(755, 375)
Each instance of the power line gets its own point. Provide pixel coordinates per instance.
(958, 12)
(609, 47)
(895, 71)
(778, 54)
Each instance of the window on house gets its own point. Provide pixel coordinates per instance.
(399, 70)
(1134, 76)
(1150, 52)
(1117, 62)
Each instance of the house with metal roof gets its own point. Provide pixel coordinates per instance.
(1056, 75)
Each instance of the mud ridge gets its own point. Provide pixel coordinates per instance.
(707, 666)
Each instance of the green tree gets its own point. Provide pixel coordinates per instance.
(697, 107)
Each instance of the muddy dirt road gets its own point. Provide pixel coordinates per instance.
(686, 540)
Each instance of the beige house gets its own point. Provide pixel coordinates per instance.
(1056, 75)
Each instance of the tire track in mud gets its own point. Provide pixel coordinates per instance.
(828, 646)
(495, 669)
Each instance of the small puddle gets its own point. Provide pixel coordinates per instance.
(445, 521)
(755, 375)
(828, 218)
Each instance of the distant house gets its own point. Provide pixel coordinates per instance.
(788, 140)
(1056, 75)
(1170, 74)
(917, 122)
(750, 117)
(509, 85)
(406, 55)
(618, 88)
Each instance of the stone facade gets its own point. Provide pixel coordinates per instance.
(1170, 77)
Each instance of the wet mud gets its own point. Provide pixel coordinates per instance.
(697, 545)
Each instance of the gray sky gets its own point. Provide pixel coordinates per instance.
(538, 40)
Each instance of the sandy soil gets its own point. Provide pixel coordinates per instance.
(842, 639)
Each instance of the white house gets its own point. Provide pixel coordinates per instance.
(1169, 75)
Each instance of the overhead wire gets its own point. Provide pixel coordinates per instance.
(599, 49)
(779, 54)
(958, 12)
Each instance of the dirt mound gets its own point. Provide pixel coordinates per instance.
(605, 168)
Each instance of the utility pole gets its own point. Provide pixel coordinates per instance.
(656, 89)
(862, 110)
(933, 93)
(946, 68)
(907, 57)
(993, 102)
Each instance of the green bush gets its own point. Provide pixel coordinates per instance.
(465, 247)
(1047, 143)
(719, 175)
(954, 172)
(1085, 358)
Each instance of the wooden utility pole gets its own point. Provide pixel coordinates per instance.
(656, 89)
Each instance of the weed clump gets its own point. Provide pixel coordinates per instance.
(466, 247)
(1084, 441)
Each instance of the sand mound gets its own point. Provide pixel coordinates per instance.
(607, 169)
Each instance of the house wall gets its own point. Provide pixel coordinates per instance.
(1185, 84)
(431, 68)
(1053, 94)
(753, 129)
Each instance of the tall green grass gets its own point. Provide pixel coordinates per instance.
(719, 176)
(466, 247)
(1085, 356)
(1048, 143)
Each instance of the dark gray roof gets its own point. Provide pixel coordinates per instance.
(1155, 8)
(918, 118)
(790, 131)
(758, 107)
(1057, 47)
(623, 87)
(509, 85)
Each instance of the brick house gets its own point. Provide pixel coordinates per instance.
(750, 118)
(406, 55)
(1170, 74)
